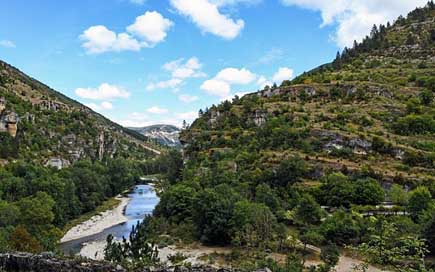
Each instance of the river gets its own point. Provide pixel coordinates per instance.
(143, 200)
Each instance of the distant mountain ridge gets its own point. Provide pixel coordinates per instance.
(167, 135)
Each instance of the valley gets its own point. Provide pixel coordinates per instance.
(331, 170)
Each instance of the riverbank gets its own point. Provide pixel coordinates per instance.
(99, 222)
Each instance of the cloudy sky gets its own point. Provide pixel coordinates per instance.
(142, 62)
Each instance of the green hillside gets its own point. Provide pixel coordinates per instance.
(51, 125)
(348, 135)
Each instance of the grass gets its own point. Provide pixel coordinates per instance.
(106, 205)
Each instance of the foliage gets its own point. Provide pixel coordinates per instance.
(136, 252)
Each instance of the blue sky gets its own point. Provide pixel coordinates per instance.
(141, 62)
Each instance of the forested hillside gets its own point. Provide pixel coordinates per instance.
(59, 160)
(356, 136)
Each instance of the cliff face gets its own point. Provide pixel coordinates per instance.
(41, 124)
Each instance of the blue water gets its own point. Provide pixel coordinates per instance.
(143, 200)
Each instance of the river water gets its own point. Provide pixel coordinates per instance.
(143, 200)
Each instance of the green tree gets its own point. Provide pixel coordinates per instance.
(308, 212)
(213, 213)
(398, 195)
(387, 247)
(420, 200)
(176, 203)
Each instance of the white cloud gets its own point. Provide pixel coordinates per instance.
(7, 44)
(356, 17)
(220, 85)
(98, 107)
(236, 76)
(151, 27)
(191, 68)
(187, 98)
(282, 74)
(216, 87)
(104, 92)
(168, 84)
(263, 82)
(180, 71)
(157, 110)
(206, 15)
(99, 39)
(148, 30)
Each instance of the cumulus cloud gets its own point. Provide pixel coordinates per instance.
(98, 107)
(151, 27)
(104, 92)
(206, 15)
(220, 85)
(355, 17)
(157, 110)
(180, 71)
(236, 76)
(282, 74)
(7, 44)
(147, 31)
(216, 87)
(187, 98)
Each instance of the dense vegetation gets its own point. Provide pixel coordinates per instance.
(36, 202)
(349, 136)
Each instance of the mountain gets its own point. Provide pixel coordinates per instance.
(371, 108)
(317, 157)
(40, 124)
(167, 135)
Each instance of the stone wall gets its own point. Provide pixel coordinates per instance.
(26, 262)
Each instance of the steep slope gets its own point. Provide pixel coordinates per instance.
(369, 110)
(167, 135)
(40, 124)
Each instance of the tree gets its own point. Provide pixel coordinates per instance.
(420, 200)
(136, 252)
(252, 224)
(22, 240)
(308, 212)
(387, 247)
(337, 190)
(340, 228)
(398, 195)
(213, 214)
(176, 203)
(330, 255)
(426, 97)
(368, 192)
